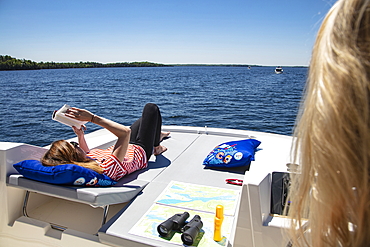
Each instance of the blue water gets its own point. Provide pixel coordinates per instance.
(222, 97)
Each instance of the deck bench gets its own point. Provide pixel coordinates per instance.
(125, 190)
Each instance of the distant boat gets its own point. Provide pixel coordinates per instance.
(249, 67)
(279, 70)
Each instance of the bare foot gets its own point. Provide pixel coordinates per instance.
(159, 150)
(164, 135)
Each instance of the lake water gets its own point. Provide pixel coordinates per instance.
(222, 97)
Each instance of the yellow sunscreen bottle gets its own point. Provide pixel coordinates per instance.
(219, 218)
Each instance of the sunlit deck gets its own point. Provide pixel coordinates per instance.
(187, 147)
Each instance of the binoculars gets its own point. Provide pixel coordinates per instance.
(177, 222)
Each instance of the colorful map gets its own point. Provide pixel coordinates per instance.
(196, 200)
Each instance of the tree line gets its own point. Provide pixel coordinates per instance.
(11, 63)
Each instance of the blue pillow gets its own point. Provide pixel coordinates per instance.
(68, 174)
(232, 154)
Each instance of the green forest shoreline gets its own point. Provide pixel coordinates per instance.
(11, 63)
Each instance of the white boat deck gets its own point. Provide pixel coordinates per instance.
(187, 148)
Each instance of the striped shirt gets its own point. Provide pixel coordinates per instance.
(135, 159)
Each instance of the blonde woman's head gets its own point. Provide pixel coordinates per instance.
(333, 134)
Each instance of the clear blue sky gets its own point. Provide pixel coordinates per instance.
(263, 32)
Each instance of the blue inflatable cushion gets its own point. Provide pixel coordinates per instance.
(68, 174)
(232, 154)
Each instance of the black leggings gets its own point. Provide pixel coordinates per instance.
(146, 131)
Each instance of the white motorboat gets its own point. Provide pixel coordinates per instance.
(39, 214)
(279, 70)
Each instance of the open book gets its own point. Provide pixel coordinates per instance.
(60, 116)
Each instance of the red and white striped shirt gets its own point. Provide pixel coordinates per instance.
(135, 159)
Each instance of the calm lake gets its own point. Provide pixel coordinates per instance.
(222, 97)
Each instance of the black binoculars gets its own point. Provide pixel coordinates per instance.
(177, 222)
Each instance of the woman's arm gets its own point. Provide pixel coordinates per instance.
(81, 138)
(122, 132)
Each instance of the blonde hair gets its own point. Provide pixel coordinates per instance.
(332, 136)
(62, 152)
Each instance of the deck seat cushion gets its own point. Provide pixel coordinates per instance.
(68, 174)
(232, 154)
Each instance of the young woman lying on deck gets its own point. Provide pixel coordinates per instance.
(131, 152)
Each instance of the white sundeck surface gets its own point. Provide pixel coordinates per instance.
(188, 168)
(182, 162)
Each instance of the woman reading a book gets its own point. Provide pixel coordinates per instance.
(131, 152)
